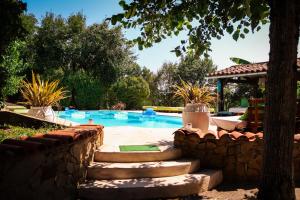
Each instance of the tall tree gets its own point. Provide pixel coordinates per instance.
(164, 81)
(68, 49)
(194, 70)
(277, 176)
(14, 66)
(10, 22)
(50, 44)
(209, 19)
(10, 28)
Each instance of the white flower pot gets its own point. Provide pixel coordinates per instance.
(46, 113)
(197, 115)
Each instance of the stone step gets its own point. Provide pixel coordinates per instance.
(112, 154)
(147, 188)
(104, 170)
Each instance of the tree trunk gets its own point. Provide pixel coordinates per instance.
(279, 127)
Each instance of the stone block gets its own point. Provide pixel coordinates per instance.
(201, 146)
(222, 150)
(51, 173)
(210, 145)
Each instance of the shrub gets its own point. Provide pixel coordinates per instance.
(190, 93)
(131, 90)
(86, 91)
(12, 69)
(40, 93)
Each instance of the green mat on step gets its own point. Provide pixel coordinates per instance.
(139, 148)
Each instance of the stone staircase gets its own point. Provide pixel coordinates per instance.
(144, 175)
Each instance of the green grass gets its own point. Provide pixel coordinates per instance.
(138, 148)
(15, 132)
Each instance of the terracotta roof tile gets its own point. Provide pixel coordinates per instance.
(53, 138)
(244, 69)
(62, 137)
(45, 141)
(297, 137)
(260, 135)
(225, 135)
(235, 135)
(28, 145)
(250, 136)
(222, 132)
(194, 131)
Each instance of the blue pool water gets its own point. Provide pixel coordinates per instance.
(121, 118)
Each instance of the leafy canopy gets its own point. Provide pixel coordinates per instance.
(12, 69)
(203, 20)
(190, 69)
(11, 23)
(132, 91)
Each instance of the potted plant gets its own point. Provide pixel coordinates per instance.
(197, 101)
(41, 96)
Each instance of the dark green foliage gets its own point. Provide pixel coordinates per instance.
(132, 91)
(12, 69)
(194, 70)
(29, 23)
(235, 92)
(204, 20)
(190, 69)
(11, 28)
(163, 90)
(10, 21)
(87, 91)
(89, 59)
(239, 61)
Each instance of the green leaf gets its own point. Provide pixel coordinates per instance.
(157, 40)
(246, 23)
(140, 47)
(246, 30)
(258, 28)
(114, 20)
(229, 29)
(239, 61)
(122, 3)
(236, 35)
(177, 52)
(242, 35)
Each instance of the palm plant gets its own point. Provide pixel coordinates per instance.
(194, 94)
(40, 93)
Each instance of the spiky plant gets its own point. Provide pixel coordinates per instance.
(190, 93)
(40, 93)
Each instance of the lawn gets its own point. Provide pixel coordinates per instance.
(16, 132)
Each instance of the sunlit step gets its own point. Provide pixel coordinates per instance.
(147, 188)
(104, 170)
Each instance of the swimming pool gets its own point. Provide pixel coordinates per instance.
(121, 118)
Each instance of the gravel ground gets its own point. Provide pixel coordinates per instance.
(229, 192)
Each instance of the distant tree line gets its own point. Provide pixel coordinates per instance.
(94, 62)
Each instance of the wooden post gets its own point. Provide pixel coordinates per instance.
(220, 86)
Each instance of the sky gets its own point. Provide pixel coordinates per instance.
(254, 48)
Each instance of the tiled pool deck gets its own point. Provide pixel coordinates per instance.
(127, 135)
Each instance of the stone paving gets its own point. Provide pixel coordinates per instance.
(115, 136)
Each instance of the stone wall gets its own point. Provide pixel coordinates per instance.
(239, 155)
(47, 166)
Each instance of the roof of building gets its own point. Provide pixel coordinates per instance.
(244, 70)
